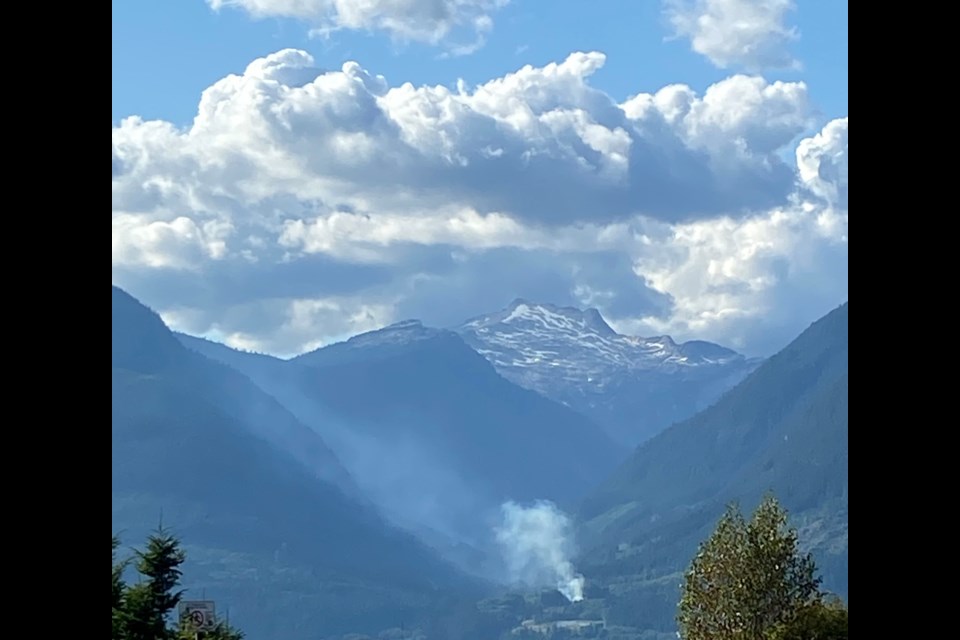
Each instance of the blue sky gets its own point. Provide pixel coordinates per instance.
(165, 53)
(686, 211)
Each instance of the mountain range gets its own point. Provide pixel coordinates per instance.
(432, 434)
(783, 429)
(359, 485)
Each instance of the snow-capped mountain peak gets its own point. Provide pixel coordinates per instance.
(527, 334)
(528, 316)
(573, 356)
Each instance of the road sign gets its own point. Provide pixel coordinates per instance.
(202, 613)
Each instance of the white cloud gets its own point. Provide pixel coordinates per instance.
(740, 123)
(178, 244)
(726, 277)
(747, 33)
(362, 238)
(287, 326)
(540, 144)
(822, 162)
(341, 317)
(429, 21)
(302, 204)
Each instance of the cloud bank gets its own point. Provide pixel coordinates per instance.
(303, 205)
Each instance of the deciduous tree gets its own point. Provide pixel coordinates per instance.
(748, 579)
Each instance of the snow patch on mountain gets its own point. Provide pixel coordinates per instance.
(531, 342)
(404, 332)
(573, 356)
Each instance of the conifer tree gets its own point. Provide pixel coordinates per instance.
(223, 631)
(141, 611)
(149, 603)
(119, 592)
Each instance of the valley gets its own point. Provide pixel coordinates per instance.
(376, 471)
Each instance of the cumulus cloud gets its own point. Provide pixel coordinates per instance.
(726, 277)
(751, 34)
(822, 163)
(539, 144)
(283, 326)
(179, 244)
(429, 21)
(304, 204)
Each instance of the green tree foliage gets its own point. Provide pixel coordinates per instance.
(223, 631)
(748, 580)
(150, 602)
(119, 592)
(142, 611)
(826, 620)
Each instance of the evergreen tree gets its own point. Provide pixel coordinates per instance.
(223, 631)
(149, 603)
(119, 592)
(140, 611)
(748, 579)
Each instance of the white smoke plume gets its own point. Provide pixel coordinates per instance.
(537, 545)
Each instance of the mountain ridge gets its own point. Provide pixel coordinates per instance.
(632, 386)
(415, 411)
(266, 531)
(784, 429)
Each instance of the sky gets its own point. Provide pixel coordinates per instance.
(287, 173)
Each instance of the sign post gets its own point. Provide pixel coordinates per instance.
(201, 613)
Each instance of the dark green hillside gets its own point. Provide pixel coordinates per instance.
(784, 428)
(269, 532)
(516, 443)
